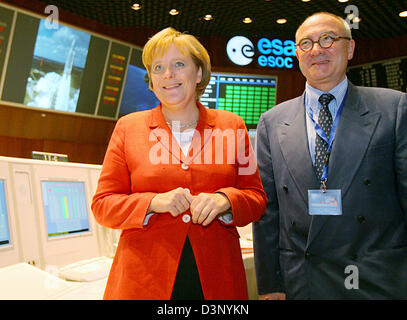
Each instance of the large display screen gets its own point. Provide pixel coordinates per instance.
(246, 95)
(65, 208)
(391, 73)
(59, 68)
(69, 70)
(55, 77)
(4, 225)
(136, 94)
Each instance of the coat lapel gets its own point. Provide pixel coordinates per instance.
(292, 136)
(355, 129)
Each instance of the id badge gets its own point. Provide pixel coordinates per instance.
(325, 203)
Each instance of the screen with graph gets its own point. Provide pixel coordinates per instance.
(65, 207)
(246, 95)
(4, 226)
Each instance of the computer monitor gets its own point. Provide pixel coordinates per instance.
(67, 229)
(65, 208)
(4, 224)
(10, 252)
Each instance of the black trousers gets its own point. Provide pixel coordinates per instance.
(187, 285)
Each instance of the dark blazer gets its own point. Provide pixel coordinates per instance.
(306, 256)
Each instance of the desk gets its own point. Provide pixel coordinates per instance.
(26, 282)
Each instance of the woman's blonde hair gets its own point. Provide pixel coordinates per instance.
(186, 44)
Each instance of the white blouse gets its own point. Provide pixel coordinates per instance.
(184, 139)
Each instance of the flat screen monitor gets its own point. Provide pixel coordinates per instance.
(58, 63)
(65, 208)
(60, 67)
(66, 228)
(246, 95)
(136, 94)
(4, 223)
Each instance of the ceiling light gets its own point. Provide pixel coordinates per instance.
(403, 14)
(208, 17)
(174, 12)
(305, 0)
(136, 6)
(247, 20)
(281, 21)
(343, 0)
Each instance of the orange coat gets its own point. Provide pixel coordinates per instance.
(136, 168)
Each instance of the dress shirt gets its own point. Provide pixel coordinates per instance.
(311, 102)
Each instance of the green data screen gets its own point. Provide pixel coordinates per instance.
(247, 96)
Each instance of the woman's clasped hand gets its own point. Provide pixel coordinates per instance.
(204, 207)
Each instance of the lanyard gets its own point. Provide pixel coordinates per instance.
(329, 141)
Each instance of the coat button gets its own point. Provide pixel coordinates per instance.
(361, 219)
(367, 182)
(307, 255)
(285, 188)
(186, 218)
(184, 166)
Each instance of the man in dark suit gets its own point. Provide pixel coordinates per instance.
(334, 165)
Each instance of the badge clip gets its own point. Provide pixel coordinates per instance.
(323, 186)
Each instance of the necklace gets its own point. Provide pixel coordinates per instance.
(182, 126)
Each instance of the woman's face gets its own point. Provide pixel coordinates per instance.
(174, 77)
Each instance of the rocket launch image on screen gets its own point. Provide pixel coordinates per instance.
(57, 67)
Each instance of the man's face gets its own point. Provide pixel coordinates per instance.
(324, 68)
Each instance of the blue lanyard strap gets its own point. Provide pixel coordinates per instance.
(329, 140)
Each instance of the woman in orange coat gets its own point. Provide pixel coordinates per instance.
(177, 180)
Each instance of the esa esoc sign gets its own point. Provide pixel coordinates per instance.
(272, 53)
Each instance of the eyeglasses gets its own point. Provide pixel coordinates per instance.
(325, 41)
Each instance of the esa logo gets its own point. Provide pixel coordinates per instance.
(273, 53)
(240, 50)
